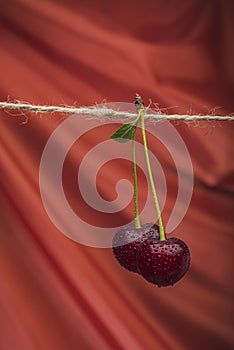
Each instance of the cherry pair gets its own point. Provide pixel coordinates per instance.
(140, 250)
(145, 248)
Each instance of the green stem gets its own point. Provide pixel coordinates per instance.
(161, 230)
(136, 206)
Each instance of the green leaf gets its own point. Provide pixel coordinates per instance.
(125, 133)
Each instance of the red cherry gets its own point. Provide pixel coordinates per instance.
(163, 262)
(127, 241)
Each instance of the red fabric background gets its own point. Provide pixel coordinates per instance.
(58, 294)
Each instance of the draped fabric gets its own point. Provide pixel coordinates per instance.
(57, 293)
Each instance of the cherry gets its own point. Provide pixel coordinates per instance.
(163, 262)
(128, 240)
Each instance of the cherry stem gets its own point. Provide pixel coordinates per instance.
(141, 114)
(136, 204)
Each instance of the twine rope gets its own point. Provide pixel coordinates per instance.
(103, 112)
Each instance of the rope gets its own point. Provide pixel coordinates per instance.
(103, 112)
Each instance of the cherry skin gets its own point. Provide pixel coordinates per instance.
(163, 262)
(128, 240)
